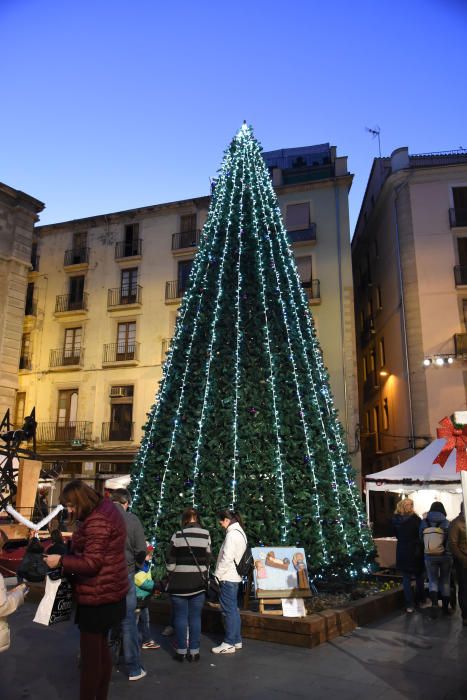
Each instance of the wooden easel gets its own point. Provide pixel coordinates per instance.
(275, 598)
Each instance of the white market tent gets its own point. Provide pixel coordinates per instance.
(118, 482)
(422, 480)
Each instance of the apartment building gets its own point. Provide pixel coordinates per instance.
(409, 257)
(102, 301)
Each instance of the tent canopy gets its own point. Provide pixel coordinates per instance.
(419, 472)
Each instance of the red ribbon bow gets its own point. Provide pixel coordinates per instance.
(456, 439)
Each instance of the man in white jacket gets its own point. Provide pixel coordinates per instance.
(9, 602)
(231, 552)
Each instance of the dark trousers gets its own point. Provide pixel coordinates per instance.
(461, 573)
(96, 666)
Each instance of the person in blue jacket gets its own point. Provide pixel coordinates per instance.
(438, 559)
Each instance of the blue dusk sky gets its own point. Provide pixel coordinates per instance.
(112, 104)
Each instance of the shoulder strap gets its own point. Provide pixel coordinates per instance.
(203, 575)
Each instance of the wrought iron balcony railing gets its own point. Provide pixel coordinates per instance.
(128, 249)
(25, 362)
(312, 289)
(65, 432)
(460, 345)
(368, 330)
(64, 357)
(76, 256)
(121, 296)
(303, 235)
(120, 352)
(175, 289)
(185, 239)
(457, 217)
(69, 302)
(117, 431)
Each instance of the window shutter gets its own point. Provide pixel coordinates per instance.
(298, 216)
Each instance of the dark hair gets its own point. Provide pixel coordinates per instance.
(190, 515)
(3, 538)
(231, 515)
(437, 507)
(82, 497)
(56, 536)
(121, 496)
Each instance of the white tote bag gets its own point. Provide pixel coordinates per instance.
(56, 604)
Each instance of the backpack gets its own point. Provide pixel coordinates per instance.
(433, 540)
(245, 565)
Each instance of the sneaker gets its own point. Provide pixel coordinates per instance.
(151, 645)
(224, 648)
(193, 657)
(168, 631)
(239, 645)
(409, 610)
(138, 676)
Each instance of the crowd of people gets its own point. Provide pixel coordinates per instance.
(109, 563)
(431, 547)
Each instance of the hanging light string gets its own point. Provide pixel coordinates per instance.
(238, 342)
(282, 241)
(190, 299)
(277, 428)
(219, 293)
(257, 195)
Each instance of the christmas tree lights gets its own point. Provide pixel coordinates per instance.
(244, 416)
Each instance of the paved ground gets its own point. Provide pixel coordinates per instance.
(402, 657)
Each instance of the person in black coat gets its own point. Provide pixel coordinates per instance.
(409, 552)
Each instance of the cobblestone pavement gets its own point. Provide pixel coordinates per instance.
(401, 657)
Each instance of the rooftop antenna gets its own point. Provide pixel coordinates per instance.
(376, 131)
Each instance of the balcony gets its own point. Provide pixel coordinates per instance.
(124, 296)
(76, 256)
(66, 358)
(457, 217)
(370, 385)
(68, 303)
(25, 362)
(460, 275)
(117, 432)
(368, 331)
(312, 290)
(128, 249)
(64, 433)
(174, 290)
(185, 239)
(460, 345)
(305, 235)
(121, 353)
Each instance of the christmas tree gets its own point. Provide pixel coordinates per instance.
(244, 417)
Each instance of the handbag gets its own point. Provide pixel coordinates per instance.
(211, 583)
(56, 604)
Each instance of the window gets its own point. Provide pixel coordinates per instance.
(379, 302)
(304, 268)
(187, 223)
(382, 353)
(67, 411)
(76, 291)
(298, 216)
(365, 369)
(370, 307)
(121, 414)
(80, 240)
(126, 336)
(131, 240)
(184, 269)
(20, 408)
(464, 312)
(376, 424)
(462, 251)
(372, 361)
(25, 359)
(34, 257)
(29, 306)
(72, 346)
(367, 422)
(385, 415)
(129, 285)
(459, 196)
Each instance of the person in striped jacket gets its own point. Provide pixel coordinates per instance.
(188, 569)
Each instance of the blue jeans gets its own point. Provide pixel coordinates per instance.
(144, 629)
(131, 649)
(186, 612)
(438, 569)
(419, 588)
(228, 599)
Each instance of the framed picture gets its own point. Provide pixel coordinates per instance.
(281, 570)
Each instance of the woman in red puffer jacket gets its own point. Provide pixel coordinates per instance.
(99, 573)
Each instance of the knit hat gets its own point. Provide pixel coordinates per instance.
(437, 507)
